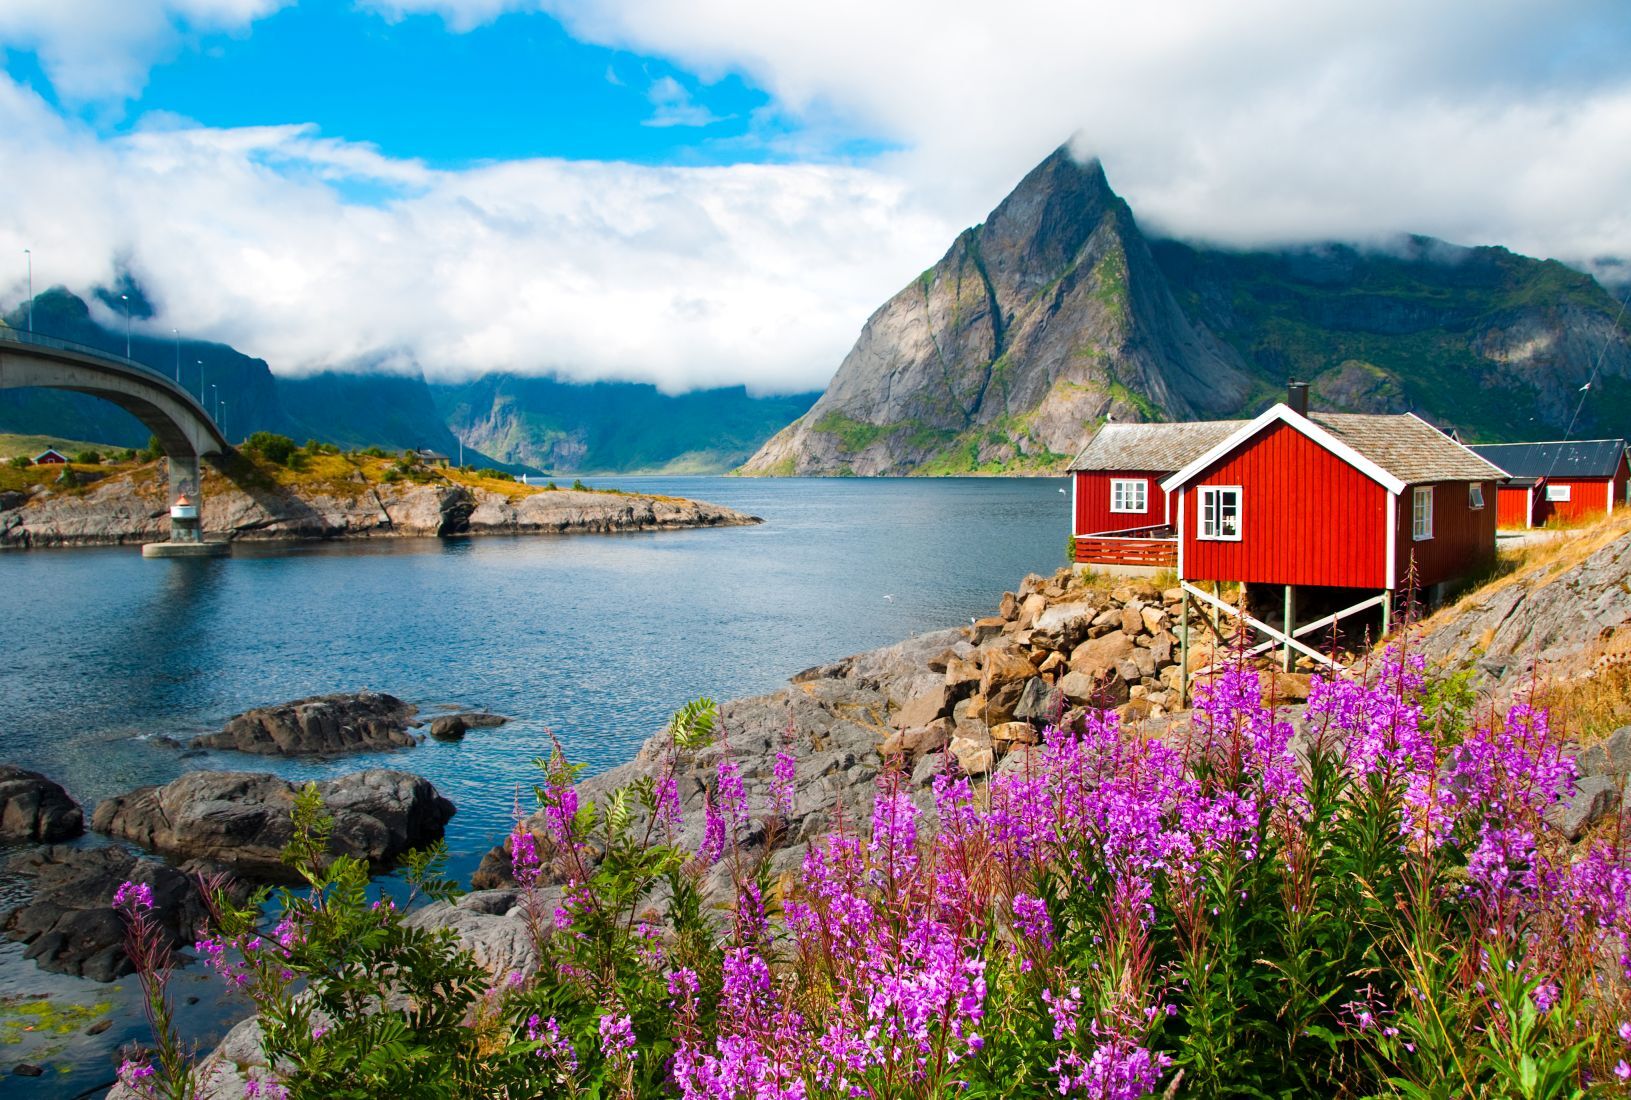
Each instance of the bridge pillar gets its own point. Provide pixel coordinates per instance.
(186, 503)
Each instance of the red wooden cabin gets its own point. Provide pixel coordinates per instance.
(50, 457)
(1334, 500)
(1565, 481)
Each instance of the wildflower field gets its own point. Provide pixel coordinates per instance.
(1375, 906)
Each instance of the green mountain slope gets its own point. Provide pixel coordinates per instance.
(612, 427)
(1057, 313)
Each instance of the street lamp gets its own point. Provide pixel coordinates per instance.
(125, 298)
(213, 405)
(222, 421)
(200, 363)
(30, 254)
(177, 334)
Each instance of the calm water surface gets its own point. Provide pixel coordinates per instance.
(595, 639)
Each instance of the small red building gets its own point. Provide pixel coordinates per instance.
(50, 457)
(1564, 481)
(1122, 516)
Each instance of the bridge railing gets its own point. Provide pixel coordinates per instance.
(35, 339)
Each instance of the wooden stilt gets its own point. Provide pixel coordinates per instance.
(1290, 628)
(1387, 612)
(1183, 651)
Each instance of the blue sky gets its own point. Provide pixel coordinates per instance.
(709, 192)
(520, 86)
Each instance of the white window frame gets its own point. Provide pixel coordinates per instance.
(1558, 494)
(1211, 531)
(1475, 496)
(1121, 488)
(1421, 513)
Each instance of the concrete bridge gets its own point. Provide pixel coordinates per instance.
(184, 430)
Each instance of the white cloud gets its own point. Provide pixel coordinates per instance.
(673, 105)
(95, 50)
(682, 276)
(1250, 121)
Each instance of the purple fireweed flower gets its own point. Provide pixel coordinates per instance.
(1031, 920)
(616, 1036)
(525, 863)
(133, 896)
(782, 779)
(724, 811)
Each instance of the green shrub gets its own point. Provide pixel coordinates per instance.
(88, 458)
(580, 486)
(154, 449)
(274, 448)
(496, 475)
(21, 462)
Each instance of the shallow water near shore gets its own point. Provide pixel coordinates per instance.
(592, 639)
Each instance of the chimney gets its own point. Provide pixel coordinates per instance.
(1297, 397)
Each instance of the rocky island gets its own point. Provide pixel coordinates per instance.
(322, 494)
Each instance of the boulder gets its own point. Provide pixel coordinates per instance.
(1610, 756)
(1038, 702)
(1155, 620)
(1078, 687)
(1132, 619)
(1138, 590)
(985, 629)
(1595, 797)
(974, 755)
(1098, 655)
(71, 927)
(1018, 733)
(1009, 607)
(921, 709)
(1032, 606)
(449, 727)
(33, 808)
(322, 725)
(926, 739)
(1064, 625)
(1005, 666)
(242, 819)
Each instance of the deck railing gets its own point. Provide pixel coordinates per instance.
(1155, 546)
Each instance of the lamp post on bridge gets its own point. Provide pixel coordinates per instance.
(214, 405)
(29, 253)
(200, 363)
(125, 298)
(222, 423)
(177, 334)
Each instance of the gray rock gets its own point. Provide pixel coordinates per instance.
(33, 808)
(242, 819)
(1611, 756)
(449, 727)
(324, 725)
(70, 926)
(1039, 702)
(1594, 798)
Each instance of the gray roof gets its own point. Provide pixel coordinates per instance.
(1563, 458)
(1408, 447)
(1157, 448)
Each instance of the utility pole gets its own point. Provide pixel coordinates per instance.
(30, 254)
(200, 363)
(125, 298)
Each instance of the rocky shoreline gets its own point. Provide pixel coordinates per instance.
(131, 507)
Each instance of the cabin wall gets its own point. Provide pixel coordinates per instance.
(1093, 514)
(1620, 493)
(1512, 510)
(1588, 499)
(1463, 537)
(1307, 517)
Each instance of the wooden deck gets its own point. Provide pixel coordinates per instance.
(1147, 547)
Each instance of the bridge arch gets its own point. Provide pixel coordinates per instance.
(184, 430)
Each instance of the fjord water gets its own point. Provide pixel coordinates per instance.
(594, 639)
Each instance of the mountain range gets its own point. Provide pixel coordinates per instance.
(518, 423)
(1058, 312)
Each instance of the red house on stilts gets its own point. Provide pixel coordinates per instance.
(1567, 481)
(1354, 506)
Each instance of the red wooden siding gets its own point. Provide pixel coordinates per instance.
(1306, 517)
(1513, 508)
(1463, 538)
(1588, 499)
(1093, 514)
(1622, 485)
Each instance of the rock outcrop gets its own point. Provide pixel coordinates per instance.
(1543, 623)
(70, 926)
(321, 725)
(453, 727)
(1037, 324)
(33, 808)
(241, 820)
(132, 508)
